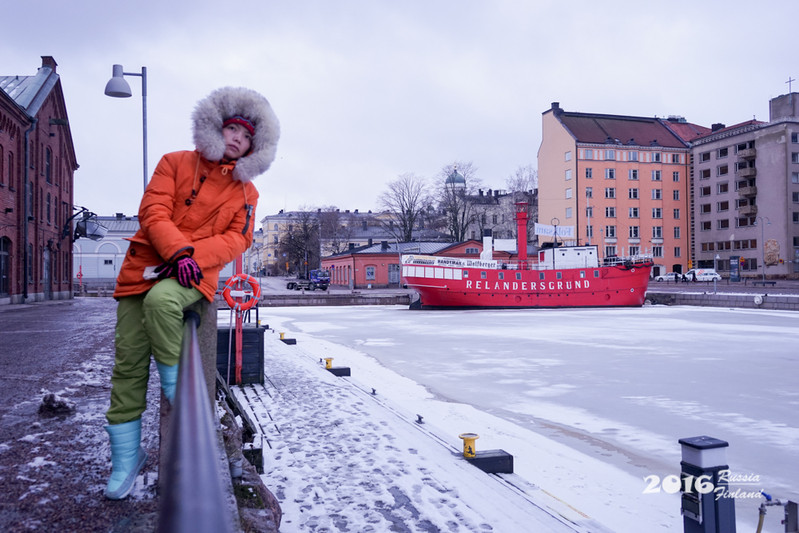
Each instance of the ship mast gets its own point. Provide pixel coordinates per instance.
(521, 234)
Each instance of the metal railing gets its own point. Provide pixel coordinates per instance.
(192, 498)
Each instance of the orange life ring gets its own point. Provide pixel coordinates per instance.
(254, 295)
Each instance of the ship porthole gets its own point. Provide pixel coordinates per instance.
(632, 290)
(632, 269)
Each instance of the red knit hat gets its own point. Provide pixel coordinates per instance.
(244, 121)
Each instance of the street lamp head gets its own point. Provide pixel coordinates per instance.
(117, 86)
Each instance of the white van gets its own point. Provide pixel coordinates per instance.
(702, 274)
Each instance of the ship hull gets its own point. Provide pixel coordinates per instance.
(605, 286)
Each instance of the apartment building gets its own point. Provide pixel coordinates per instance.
(621, 182)
(745, 194)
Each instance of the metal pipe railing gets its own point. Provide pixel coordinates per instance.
(192, 498)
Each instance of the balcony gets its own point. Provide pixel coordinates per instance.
(749, 153)
(747, 191)
(747, 210)
(747, 172)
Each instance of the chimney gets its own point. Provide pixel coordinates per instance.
(370, 241)
(556, 109)
(384, 245)
(49, 62)
(488, 245)
(717, 126)
(352, 246)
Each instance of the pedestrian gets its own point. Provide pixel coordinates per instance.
(196, 216)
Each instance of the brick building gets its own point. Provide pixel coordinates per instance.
(37, 166)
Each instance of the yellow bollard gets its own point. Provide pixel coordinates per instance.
(469, 449)
(328, 362)
(282, 335)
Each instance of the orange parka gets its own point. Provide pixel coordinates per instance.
(191, 206)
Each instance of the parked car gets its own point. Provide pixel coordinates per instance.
(702, 274)
(671, 276)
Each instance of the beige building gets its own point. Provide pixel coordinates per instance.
(745, 194)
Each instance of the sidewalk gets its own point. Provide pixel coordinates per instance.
(54, 467)
(341, 459)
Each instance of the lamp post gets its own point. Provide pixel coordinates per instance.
(119, 88)
(763, 243)
(716, 270)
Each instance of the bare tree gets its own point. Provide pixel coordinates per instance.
(300, 244)
(335, 229)
(406, 201)
(459, 183)
(524, 180)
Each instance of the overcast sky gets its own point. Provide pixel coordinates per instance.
(368, 90)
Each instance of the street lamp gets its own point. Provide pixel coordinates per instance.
(119, 88)
(763, 243)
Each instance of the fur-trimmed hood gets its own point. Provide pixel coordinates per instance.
(213, 110)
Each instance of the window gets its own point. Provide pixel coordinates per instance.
(632, 174)
(704, 191)
(656, 157)
(610, 192)
(589, 153)
(677, 232)
(794, 157)
(108, 261)
(610, 251)
(722, 152)
(704, 209)
(494, 219)
(610, 232)
(632, 156)
(704, 174)
(589, 231)
(677, 251)
(635, 250)
(657, 232)
(657, 251)
(472, 251)
(610, 212)
(655, 175)
(723, 223)
(589, 192)
(589, 211)
(704, 156)
(568, 212)
(794, 175)
(675, 176)
(633, 212)
(568, 156)
(610, 173)
(568, 174)
(568, 194)
(675, 158)
(632, 194)
(795, 197)
(722, 170)
(589, 173)
(795, 138)
(676, 214)
(796, 217)
(610, 154)
(634, 232)
(657, 212)
(721, 188)
(657, 194)
(275, 239)
(676, 195)
(722, 206)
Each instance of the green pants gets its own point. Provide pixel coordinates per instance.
(149, 323)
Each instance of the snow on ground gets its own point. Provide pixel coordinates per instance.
(589, 402)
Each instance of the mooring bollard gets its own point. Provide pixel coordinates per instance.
(328, 363)
(282, 335)
(469, 449)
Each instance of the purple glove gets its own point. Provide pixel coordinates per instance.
(188, 271)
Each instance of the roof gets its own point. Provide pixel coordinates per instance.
(119, 224)
(30, 92)
(619, 130)
(742, 127)
(394, 248)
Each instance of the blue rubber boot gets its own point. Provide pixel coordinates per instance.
(169, 380)
(127, 458)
